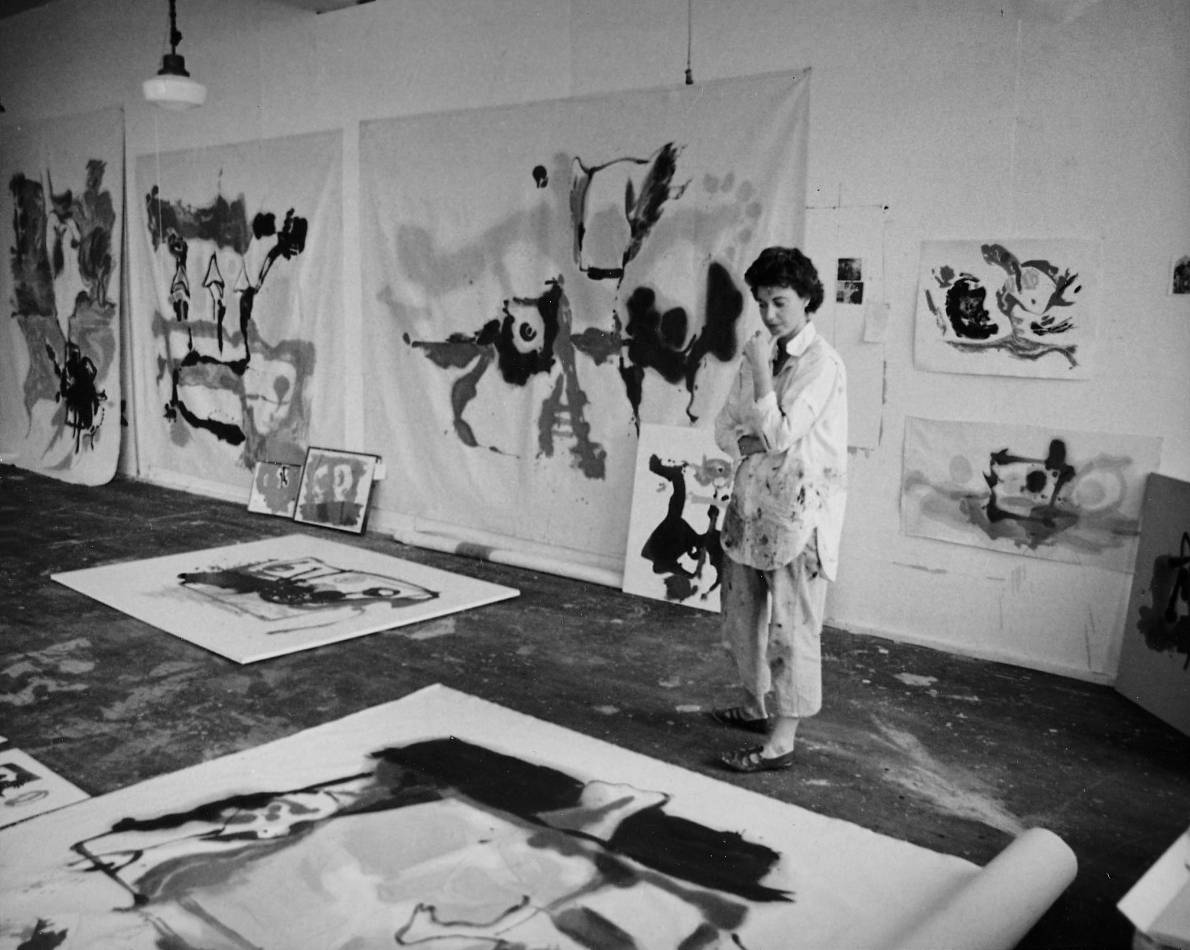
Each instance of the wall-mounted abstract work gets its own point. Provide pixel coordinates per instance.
(542, 279)
(63, 200)
(236, 303)
(262, 599)
(1155, 655)
(1020, 307)
(274, 488)
(680, 492)
(442, 820)
(1052, 493)
(335, 489)
(28, 788)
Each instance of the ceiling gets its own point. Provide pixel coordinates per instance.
(13, 7)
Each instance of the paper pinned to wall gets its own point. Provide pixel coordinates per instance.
(429, 818)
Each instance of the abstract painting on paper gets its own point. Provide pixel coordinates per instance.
(28, 788)
(1155, 657)
(262, 599)
(1050, 493)
(683, 481)
(1011, 308)
(442, 820)
(275, 488)
(335, 489)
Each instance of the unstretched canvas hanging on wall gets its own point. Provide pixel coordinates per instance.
(1155, 655)
(1015, 307)
(442, 820)
(237, 308)
(62, 208)
(541, 279)
(1053, 493)
(680, 492)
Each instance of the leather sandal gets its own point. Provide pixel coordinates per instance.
(737, 718)
(752, 760)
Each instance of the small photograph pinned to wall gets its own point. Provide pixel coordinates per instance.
(849, 280)
(28, 788)
(1179, 275)
(275, 488)
(335, 488)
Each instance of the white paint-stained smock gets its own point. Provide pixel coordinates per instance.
(783, 524)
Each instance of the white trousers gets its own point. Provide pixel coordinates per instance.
(772, 627)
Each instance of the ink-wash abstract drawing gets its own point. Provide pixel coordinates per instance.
(441, 820)
(28, 788)
(682, 484)
(1024, 307)
(1154, 666)
(1053, 493)
(335, 489)
(266, 598)
(60, 396)
(275, 488)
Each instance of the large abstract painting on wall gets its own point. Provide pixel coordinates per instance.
(237, 308)
(62, 208)
(1020, 307)
(540, 280)
(441, 820)
(1155, 655)
(680, 492)
(1052, 493)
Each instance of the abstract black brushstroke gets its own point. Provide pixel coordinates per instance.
(674, 538)
(1165, 623)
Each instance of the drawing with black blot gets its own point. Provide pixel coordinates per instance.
(548, 860)
(1166, 622)
(674, 539)
(1033, 297)
(78, 392)
(14, 776)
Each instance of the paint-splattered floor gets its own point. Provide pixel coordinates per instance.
(953, 754)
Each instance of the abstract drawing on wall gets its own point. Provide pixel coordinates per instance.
(335, 489)
(1013, 307)
(682, 484)
(1154, 666)
(542, 279)
(442, 820)
(1179, 275)
(28, 788)
(266, 598)
(60, 399)
(1052, 493)
(275, 488)
(236, 310)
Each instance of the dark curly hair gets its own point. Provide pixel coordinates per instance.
(786, 267)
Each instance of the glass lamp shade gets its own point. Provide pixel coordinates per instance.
(172, 88)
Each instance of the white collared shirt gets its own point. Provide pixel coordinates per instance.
(798, 485)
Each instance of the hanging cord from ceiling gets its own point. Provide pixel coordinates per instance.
(689, 41)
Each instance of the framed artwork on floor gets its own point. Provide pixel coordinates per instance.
(335, 488)
(275, 488)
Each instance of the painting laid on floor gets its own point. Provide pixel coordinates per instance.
(266, 598)
(60, 396)
(1023, 307)
(1154, 667)
(1051, 493)
(682, 484)
(442, 820)
(28, 788)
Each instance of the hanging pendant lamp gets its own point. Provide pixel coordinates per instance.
(172, 88)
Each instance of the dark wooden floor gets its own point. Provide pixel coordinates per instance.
(953, 754)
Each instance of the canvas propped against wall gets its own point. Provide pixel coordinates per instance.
(1155, 658)
(444, 820)
(681, 489)
(237, 305)
(1052, 493)
(60, 397)
(262, 599)
(541, 279)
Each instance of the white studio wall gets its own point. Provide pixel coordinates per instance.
(929, 121)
